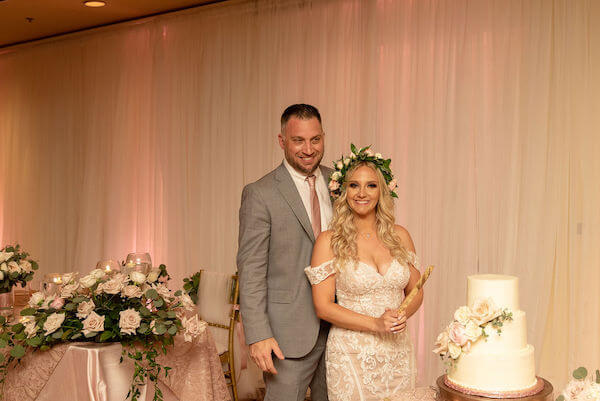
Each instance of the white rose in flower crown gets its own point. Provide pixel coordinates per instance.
(369, 152)
(53, 322)
(69, 290)
(441, 343)
(462, 315)
(129, 321)
(454, 350)
(339, 165)
(14, 267)
(392, 185)
(378, 155)
(333, 185)
(336, 175)
(153, 276)
(131, 291)
(192, 327)
(36, 300)
(4, 267)
(473, 331)
(98, 273)
(484, 310)
(85, 308)
(25, 266)
(346, 162)
(137, 277)
(88, 281)
(93, 323)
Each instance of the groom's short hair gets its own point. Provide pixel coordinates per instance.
(301, 111)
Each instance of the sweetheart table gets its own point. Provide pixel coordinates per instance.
(92, 372)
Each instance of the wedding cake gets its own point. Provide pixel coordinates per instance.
(498, 362)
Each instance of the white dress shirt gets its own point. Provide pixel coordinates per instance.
(322, 193)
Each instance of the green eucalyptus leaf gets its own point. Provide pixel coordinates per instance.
(172, 330)
(560, 398)
(160, 329)
(17, 352)
(178, 293)
(2, 320)
(28, 312)
(159, 303)
(57, 334)
(152, 294)
(106, 336)
(34, 341)
(2, 358)
(597, 376)
(44, 348)
(580, 373)
(144, 311)
(3, 343)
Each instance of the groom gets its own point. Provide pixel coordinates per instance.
(280, 217)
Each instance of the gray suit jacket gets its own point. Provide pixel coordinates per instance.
(275, 245)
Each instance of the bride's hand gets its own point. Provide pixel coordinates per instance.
(390, 322)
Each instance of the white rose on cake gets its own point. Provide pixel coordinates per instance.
(441, 343)
(473, 331)
(53, 323)
(484, 310)
(93, 323)
(463, 315)
(454, 350)
(129, 321)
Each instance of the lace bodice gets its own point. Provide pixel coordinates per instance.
(364, 365)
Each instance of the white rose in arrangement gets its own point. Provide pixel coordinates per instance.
(192, 327)
(592, 391)
(454, 350)
(484, 310)
(137, 277)
(163, 291)
(114, 285)
(131, 291)
(473, 331)
(30, 327)
(4, 256)
(88, 281)
(53, 322)
(25, 266)
(462, 315)
(85, 308)
(94, 323)
(574, 390)
(14, 267)
(153, 276)
(68, 278)
(4, 267)
(98, 273)
(336, 175)
(36, 300)
(339, 165)
(129, 321)
(441, 343)
(69, 290)
(187, 302)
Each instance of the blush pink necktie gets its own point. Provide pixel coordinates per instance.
(314, 204)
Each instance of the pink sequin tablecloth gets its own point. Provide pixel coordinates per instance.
(92, 372)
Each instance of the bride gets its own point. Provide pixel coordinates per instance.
(369, 264)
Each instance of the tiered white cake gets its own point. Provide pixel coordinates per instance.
(505, 362)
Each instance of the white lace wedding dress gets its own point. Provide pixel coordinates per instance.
(362, 365)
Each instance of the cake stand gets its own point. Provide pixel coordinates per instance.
(448, 394)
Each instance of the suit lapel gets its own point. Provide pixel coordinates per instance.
(288, 190)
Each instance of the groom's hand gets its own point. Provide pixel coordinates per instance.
(261, 354)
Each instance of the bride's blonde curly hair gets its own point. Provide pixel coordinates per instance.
(344, 233)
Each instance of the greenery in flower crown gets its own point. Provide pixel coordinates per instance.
(15, 267)
(136, 309)
(345, 163)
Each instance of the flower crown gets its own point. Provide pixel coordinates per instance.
(343, 165)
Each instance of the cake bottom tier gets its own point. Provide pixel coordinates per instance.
(495, 372)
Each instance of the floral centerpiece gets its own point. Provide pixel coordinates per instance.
(15, 267)
(135, 309)
(470, 324)
(581, 387)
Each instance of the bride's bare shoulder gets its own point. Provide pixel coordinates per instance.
(405, 237)
(322, 250)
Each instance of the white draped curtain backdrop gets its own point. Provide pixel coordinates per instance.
(140, 137)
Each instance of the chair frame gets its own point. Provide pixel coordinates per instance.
(227, 357)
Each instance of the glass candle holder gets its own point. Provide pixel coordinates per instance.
(108, 266)
(51, 283)
(138, 261)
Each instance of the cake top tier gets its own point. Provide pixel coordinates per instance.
(504, 290)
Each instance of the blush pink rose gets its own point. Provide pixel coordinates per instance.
(456, 332)
(58, 303)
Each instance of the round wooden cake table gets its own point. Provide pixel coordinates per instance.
(448, 394)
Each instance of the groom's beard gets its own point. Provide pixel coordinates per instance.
(292, 159)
